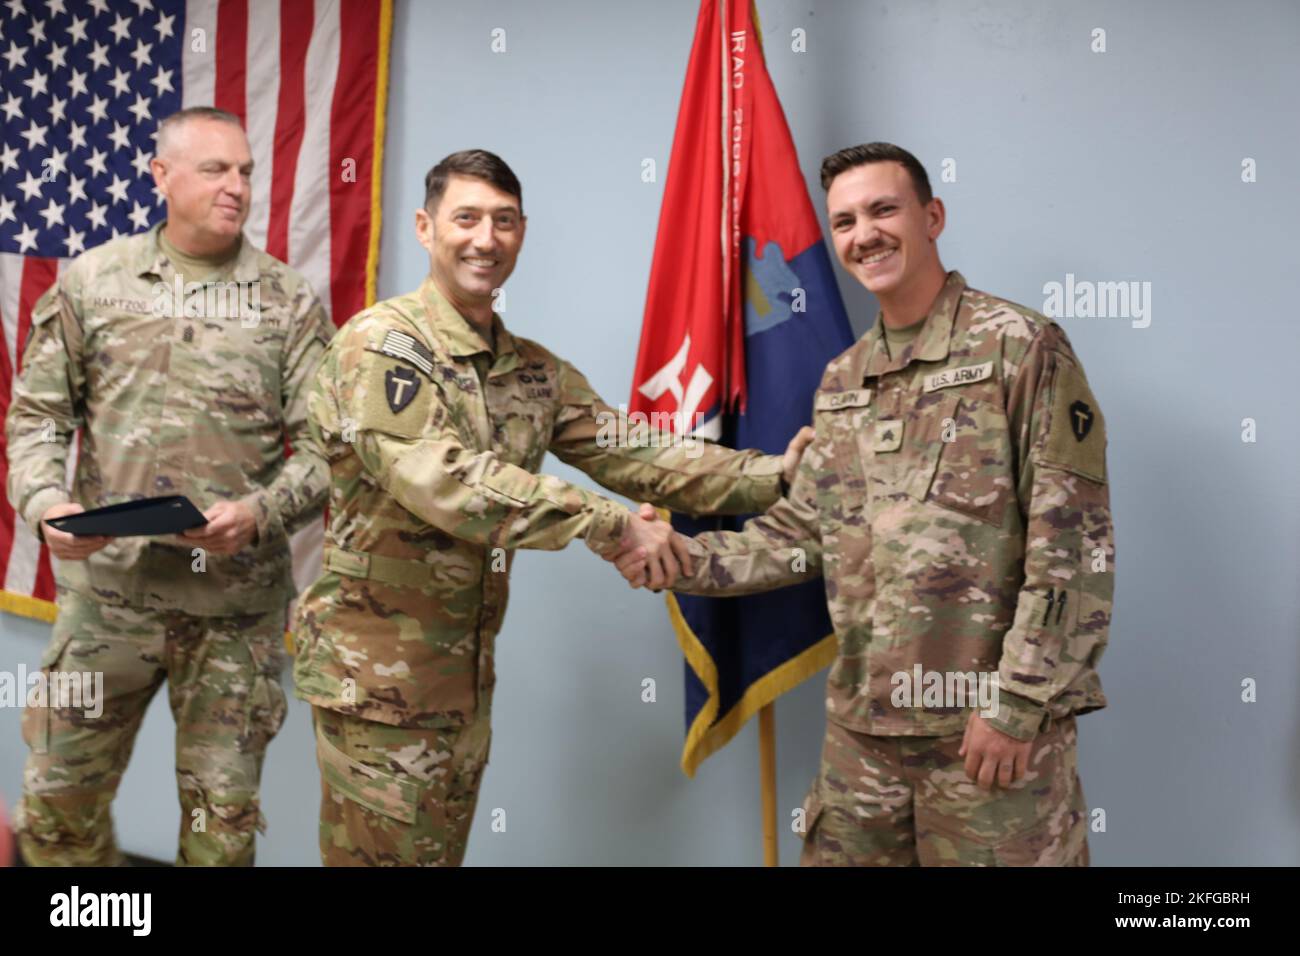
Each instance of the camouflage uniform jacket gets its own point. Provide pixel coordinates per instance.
(434, 445)
(195, 404)
(955, 502)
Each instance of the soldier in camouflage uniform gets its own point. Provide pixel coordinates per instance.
(435, 420)
(174, 395)
(955, 501)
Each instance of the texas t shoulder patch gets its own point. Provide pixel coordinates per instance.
(394, 398)
(1076, 438)
(1081, 416)
(400, 387)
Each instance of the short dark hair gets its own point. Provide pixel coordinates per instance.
(852, 156)
(476, 163)
(170, 123)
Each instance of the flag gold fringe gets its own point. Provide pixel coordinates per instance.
(377, 169)
(24, 605)
(707, 732)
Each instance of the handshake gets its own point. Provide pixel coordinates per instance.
(651, 554)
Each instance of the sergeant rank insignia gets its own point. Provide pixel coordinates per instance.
(400, 386)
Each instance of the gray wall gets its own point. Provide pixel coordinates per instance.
(1123, 165)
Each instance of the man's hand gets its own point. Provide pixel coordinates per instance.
(794, 451)
(230, 528)
(69, 547)
(992, 755)
(651, 554)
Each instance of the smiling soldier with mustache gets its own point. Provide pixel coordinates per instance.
(955, 501)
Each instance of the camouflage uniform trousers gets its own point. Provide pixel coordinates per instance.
(223, 684)
(397, 796)
(906, 801)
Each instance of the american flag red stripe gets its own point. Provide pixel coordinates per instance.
(23, 559)
(288, 120)
(306, 78)
(231, 57)
(38, 275)
(352, 136)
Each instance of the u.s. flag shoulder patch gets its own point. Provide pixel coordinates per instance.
(409, 349)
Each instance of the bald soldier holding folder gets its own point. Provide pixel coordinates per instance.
(169, 400)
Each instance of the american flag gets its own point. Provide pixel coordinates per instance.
(83, 84)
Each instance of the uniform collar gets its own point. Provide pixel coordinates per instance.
(152, 261)
(931, 345)
(459, 336)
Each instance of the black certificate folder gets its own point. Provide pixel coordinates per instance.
(170, 514)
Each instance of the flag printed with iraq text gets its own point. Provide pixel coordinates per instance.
(742, 315)
(83, 84)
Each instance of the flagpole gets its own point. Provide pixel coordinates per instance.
(767, 775)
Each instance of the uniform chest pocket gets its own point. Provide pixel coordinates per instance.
(845, 419)
(222, 335)
(974, 471)
(907, 445)
(243, 361)
(458, 391)
(521, 429)
(121, 349)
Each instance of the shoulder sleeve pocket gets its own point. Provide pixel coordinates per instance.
(47, 307)
(1076, 431)
(395, 398)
